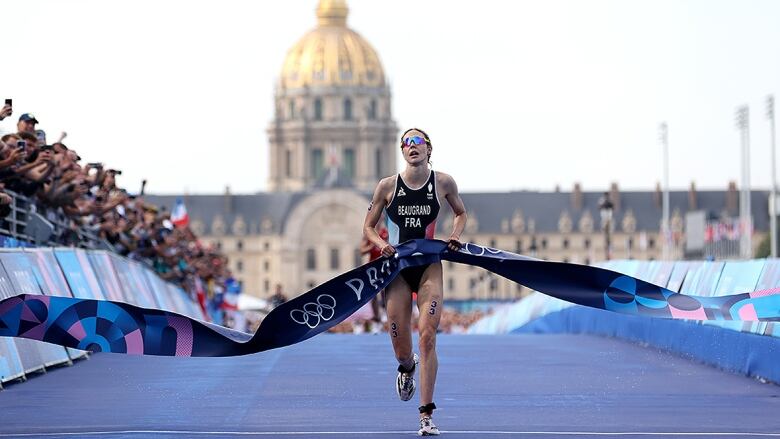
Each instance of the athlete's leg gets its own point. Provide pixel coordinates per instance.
(429, 302)
(399, 318)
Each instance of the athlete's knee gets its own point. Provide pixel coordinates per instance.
(427, 341)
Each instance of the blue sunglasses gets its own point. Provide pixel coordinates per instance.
(413, 140)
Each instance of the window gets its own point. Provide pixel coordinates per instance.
(587, 261)
(219, 245)
(586, 243)
(566, 260)
(372, 109)
(311, 259)
(347, 109)
(265, 265)
(518, 246)
(349, 162)
(358, 258)
(493, 284)
(291, 109)
(318, 109)
(492, 243)
(334, 259)
(288, 163)
(651, 243)
(630, 243)
(565, 243)
(450, 284)
(317, 163)
(544, 243)
(239, 266)
(472, 283)
(266, 246)
(240, 245)
(266, 286)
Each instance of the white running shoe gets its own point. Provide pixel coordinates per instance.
(404, 384)
(427, 427)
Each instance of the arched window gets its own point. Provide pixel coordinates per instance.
(318, 109)
(372, 110)
(347, 109)
(311, 259)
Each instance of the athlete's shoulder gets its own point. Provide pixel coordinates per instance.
(386, 184)
(443, 177)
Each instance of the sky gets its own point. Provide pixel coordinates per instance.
(516, 95)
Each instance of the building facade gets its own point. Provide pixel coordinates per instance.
(333, 137)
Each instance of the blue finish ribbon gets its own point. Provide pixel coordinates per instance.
(108, 326)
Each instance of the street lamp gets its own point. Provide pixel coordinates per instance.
(663, 137)
(605, 209)
(743, 124)
(770, 114)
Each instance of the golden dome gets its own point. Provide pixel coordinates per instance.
(332, 54)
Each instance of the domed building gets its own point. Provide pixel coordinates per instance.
(333, 137)
(333, 124)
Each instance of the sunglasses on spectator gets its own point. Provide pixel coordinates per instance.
(413, 140)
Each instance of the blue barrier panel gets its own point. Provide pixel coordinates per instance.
(106, 276)
(702, 279)
(679, 273)
(770, 278)
(161, 292)
(134, 287)
(189, 301)
(659, 272)
(28, 352)
(738, 277)
(10, 363)
(21, 272)
(749, 354)
(51, 281)
(78, 272)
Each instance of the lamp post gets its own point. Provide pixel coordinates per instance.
(605, 209)
(770, 114)
(746, 226)
(663, 137)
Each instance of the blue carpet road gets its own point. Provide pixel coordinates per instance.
(332, 386)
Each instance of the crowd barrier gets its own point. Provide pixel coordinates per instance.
(751, 348)
(94, 274)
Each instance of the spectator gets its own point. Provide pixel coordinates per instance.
(26, 124)
(278, 297)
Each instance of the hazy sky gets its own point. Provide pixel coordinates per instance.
(515, 94)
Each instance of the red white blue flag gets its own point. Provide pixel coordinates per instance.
(179, 216)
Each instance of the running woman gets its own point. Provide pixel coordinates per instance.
(411, 202)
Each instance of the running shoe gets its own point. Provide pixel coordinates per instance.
(404, 384)
(427, 427)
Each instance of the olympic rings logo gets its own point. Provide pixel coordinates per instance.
(467, 247)
(315, 311)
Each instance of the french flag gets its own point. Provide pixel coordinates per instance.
(179, 216)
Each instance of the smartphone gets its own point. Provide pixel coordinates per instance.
(9, 102)
(41, 135)
(22, 144)
(95, 164)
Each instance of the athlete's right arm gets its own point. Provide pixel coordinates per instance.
(378, 203)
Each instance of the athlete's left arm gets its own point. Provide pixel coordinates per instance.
(450, 189)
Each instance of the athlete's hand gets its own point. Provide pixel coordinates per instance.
(388, 250)
(454, 245)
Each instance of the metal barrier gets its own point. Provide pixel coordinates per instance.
(38, 225)
(77, 273)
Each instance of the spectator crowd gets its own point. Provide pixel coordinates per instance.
(86, 198)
